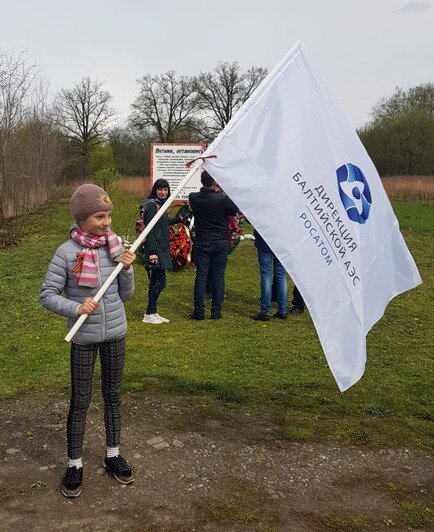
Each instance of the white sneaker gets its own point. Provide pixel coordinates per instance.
(164, 320)
(152, 318)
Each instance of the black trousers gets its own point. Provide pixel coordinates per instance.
(112, 357)
(297, 299)
(210, 257)
(157, 283)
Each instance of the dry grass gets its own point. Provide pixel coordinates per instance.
(138, 185)
(401, 186)
(409, 186)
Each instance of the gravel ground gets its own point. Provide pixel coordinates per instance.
(202, 465)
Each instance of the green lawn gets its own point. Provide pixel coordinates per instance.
(278, 364)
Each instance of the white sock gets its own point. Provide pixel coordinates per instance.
(77, 463)
(111, 452)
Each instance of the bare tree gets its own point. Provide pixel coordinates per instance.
(222, 91)
(16, 78)
(82, 113)
(166, 105)
(34, 163)
(131, 150)
(31, 147)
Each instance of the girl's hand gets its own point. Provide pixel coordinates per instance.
(87, 307)
(153, 259)
(127, 258)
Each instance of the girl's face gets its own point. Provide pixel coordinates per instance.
(162, 193)
(97, 223)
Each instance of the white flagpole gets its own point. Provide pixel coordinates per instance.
(137, 242)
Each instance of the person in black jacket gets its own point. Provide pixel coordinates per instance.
(211, 210)
(157, 249)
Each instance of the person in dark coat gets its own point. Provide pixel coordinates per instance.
(211, 210)
(157, 249)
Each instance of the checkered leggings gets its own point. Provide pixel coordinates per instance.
(112, 357)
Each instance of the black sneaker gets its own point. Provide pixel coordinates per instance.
(295, 311)
(260, 317)
(217, 316)
(71, 482)
(117, 467)
(280, 315)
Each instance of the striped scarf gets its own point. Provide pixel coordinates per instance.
(85, 271)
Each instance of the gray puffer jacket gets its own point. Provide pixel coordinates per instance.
(61, 294)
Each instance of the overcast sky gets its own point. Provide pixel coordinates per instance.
(362, 49)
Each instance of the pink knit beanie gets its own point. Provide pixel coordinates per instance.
(88, 199)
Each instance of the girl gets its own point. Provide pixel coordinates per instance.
(78, 269)
(157, 248)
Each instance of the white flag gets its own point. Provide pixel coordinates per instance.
(296, 168)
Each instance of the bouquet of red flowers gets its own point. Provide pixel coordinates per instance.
(234, 231)
(180, 246)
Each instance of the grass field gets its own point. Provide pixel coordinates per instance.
(274, 365)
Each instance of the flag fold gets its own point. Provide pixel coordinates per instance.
(296, 168)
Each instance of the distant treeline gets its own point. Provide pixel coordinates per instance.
(46, 140)
(400, 136)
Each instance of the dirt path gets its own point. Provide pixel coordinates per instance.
(202, 465)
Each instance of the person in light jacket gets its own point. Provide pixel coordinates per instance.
(78, 269)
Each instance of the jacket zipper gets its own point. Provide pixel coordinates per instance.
(101, 301)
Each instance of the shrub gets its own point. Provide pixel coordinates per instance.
(107, 178)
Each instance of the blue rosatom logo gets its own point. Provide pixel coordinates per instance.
(354, 192)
